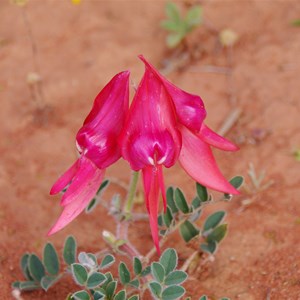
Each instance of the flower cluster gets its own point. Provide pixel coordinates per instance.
(163, 125)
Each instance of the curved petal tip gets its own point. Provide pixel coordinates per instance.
(216, 140)
(197, 160)
(83, 190)
(64, 179)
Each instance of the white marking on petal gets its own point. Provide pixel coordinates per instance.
(151, 161)
(162, 160)
(78, 147)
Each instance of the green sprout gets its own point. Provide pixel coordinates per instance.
(295, 22)
(297, 155)
(179, 26)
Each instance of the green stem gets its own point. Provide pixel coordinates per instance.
(130, 197)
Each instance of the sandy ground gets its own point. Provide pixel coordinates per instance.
(77, 49)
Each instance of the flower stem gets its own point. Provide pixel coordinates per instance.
(130, 250)
(153, 250)
(130, 197)
(189, 261)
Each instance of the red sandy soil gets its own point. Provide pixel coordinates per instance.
(78, 49)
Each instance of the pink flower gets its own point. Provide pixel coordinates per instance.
(165, 124)
(196, 157)
(150, 140)
(97, 144)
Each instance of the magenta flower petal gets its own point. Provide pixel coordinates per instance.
(64, 179)
(161, 182)
(150, 140)
(114, 94)
(80, 182)
(150, 134)
(99, 134)
(197, 160)
(84, 187)
(152, 187)
(190, 108)
(97, 142)
(212, 138)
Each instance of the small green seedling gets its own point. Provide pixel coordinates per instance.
(180, 26)
(295, 22)
(297, 155)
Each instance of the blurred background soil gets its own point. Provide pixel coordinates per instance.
(75, 50)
